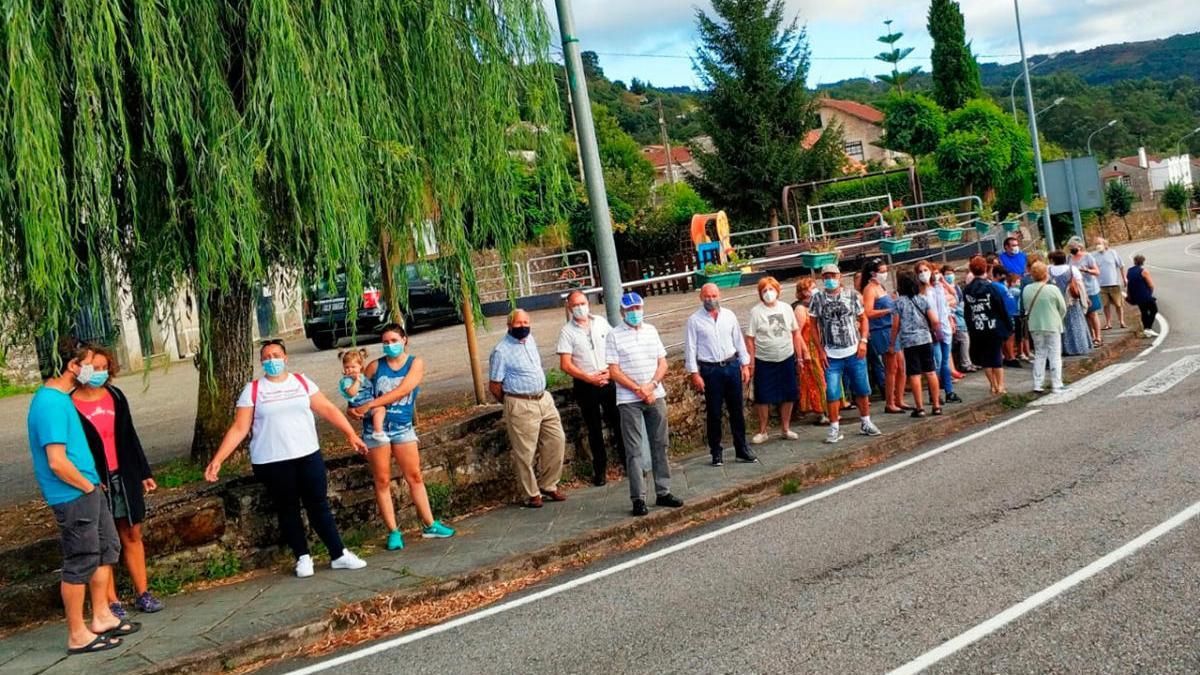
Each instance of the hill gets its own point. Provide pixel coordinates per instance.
(1165, 59)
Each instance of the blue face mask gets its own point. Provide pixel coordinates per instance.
(393, 349)
(633, 317)
(98, 378)
(274, 367)
(950, 279)
(832, 284)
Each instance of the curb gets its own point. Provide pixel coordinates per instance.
(600, 543)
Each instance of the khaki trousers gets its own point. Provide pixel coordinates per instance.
(535, 429)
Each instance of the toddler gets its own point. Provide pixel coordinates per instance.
(358, 390)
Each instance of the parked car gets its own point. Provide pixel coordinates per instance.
(327, 311)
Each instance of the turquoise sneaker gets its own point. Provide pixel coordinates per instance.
(437, 531)
(395, 541)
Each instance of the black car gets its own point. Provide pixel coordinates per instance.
(327, 315)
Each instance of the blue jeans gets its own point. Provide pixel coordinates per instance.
(855, 371)
(941, 362)
(877, 346)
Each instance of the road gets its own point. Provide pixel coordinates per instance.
(873, 573)
(164, 401)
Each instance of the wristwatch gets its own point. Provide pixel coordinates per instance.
(862, 341)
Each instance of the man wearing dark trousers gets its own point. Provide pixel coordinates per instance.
(581, 355)
(714, 352)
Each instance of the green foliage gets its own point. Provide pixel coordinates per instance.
(758, 109)
(1176, 197)
(789, 487)
(556, 379)
(441, 498)
(628, 175)
(177, 472)
(912, 124)
(665, 229)
(636, 107)
(8, 389)
(167, 581)
(898, 78)
(1119, 198)
(955, 72)
(985, 150)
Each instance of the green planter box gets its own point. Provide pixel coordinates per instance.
(1012, 225)
(721, 279)
(949, 234)
(894, 246)
(815, 261)
(982, 227)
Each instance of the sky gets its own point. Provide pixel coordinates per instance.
(842, 33)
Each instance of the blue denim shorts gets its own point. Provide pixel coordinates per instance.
(854, 370)
(397, 433)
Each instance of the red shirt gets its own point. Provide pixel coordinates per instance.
(102, 413)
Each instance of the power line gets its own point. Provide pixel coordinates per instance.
(813, 58)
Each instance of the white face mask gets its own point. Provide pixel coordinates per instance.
(580, 311)
(925, 276)
(882, 277)
(85, 373)
(770, 296)
(1016, 250)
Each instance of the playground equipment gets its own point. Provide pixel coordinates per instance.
(708, 250)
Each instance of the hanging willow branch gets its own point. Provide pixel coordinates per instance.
(199, 144)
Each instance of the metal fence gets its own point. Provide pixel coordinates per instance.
(559, 272)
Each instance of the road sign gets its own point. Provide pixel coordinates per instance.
(1072, 185)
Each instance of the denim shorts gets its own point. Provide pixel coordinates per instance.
(397, 433)
(854, 370)
(1093, 303)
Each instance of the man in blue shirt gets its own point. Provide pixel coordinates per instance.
(67, 476)
(517, 380)
(1012, 258)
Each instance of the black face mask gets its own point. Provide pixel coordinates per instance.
(1074, 251)
(519, 332)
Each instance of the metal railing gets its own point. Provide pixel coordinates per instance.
(781, 228)
(482, 279)
(836, 219)
(821, 208)
(568, 275)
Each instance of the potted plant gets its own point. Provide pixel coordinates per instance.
(823, 252)
(896, 243)
(1038, 208)
(948, 229)
(985, 217)
(1012, 222)
(725, 275)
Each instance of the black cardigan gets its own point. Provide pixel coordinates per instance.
(131, 459)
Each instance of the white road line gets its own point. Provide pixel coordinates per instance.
(1188, 348)
(1171, 269)
(1165, 379)
(1089, 383)
(1046, 594)
(1164, 329)
(661, 553)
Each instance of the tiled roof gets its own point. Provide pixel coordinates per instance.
(859, 110)
(657, 155)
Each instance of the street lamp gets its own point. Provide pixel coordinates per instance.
(1012, 91)
(1033, 132)
(1186, 136)
(1111, 123)
(1058, 101)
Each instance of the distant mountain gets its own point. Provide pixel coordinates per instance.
(1166, 59)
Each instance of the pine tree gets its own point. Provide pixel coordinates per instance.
(955, 72)
(897, 78)
(758, 110)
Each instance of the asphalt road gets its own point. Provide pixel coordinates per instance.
(869, 578)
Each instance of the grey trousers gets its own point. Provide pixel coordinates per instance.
(655, 418)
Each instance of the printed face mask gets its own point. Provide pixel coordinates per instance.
(770, 296)
(393, 349)
(274, 367)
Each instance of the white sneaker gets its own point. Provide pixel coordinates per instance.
(304, 566)
(380, 436)
(834, 435)
(869, 429)
(759, 439)
(348, 561)
(1149, 333)
(1059, 390)
(791, 435)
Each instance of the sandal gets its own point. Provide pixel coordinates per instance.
(894, 411)
(124, 628)
(937, 412)
(918, 413)
(101, 643)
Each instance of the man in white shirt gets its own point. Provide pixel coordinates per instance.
(581, 355)
(714, 352)
(637, 363)
(1112, 281)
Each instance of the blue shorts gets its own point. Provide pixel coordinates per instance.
(855, 371)
(878, 340)
(397, 434)
(1093, 303)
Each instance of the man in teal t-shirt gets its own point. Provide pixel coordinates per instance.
(66, 473)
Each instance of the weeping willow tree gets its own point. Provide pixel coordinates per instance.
(201, 146)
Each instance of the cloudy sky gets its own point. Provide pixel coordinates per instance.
(842, 32)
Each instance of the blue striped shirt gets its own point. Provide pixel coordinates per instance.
(517, 366)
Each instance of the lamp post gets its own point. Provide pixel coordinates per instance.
(1186, 136)
(1057, 102)
(1033, 132)
(1012, 91)
(1111, 124)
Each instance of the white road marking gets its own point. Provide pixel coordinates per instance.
(649, 557)
(1171, 269)
(1046, 594)
(1089, 383)
(1165, 379)
(1188, 348)
(1164, 329)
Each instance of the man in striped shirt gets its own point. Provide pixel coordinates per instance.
(637, 362)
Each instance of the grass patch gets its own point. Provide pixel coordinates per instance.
(556, 379)
(164, 582)
(178, 472)
(1015, 401)
(441, 498)
(789, 487)
(741, 503)
(7, 389)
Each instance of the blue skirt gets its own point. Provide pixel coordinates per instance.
(776, 381)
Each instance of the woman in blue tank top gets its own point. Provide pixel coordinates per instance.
(882, 356)
(396, 379)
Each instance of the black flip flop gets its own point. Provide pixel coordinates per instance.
(123, 629)
(101, 643)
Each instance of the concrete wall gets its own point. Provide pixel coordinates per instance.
(855, 129)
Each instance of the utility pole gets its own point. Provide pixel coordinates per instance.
(593, 175)
(1033, 131)
(662, 126)
(574, 126)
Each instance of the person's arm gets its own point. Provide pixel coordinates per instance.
(617, 375)
(496, 375)
(750, 348)
(689, 354)
(496, 389)
(659, 374)
(65, 470)
(139, 453)
(416, 373)
(798, 345)
(568, 366)
(1148, 280)
(330, 413)
(869, 303)
(863, 332)
(237, 432)
(351, 390)
(935, 326)
(801, 322)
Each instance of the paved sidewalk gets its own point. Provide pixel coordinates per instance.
(219, 618)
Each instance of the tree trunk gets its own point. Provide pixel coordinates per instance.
(387, 265)
(1128, 233)
(773, 235)
(225, 362)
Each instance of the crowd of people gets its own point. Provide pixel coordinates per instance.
(835, 347)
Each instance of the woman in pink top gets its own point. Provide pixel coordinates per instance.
(124, 472)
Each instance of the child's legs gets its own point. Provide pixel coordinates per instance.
(377, 417)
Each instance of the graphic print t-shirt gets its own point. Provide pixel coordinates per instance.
(837, 319)
(771, 328)
(102, 414)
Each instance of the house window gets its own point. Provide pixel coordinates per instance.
(854, 149)
(1127, 182)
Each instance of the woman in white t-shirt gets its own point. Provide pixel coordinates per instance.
(774, 343)
(286, 456)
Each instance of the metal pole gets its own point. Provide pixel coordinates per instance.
(1073, 195)
(1033, 131)
(574, 126)
(662, 125)
(593, 175)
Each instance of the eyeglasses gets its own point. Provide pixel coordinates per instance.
(269, 342)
